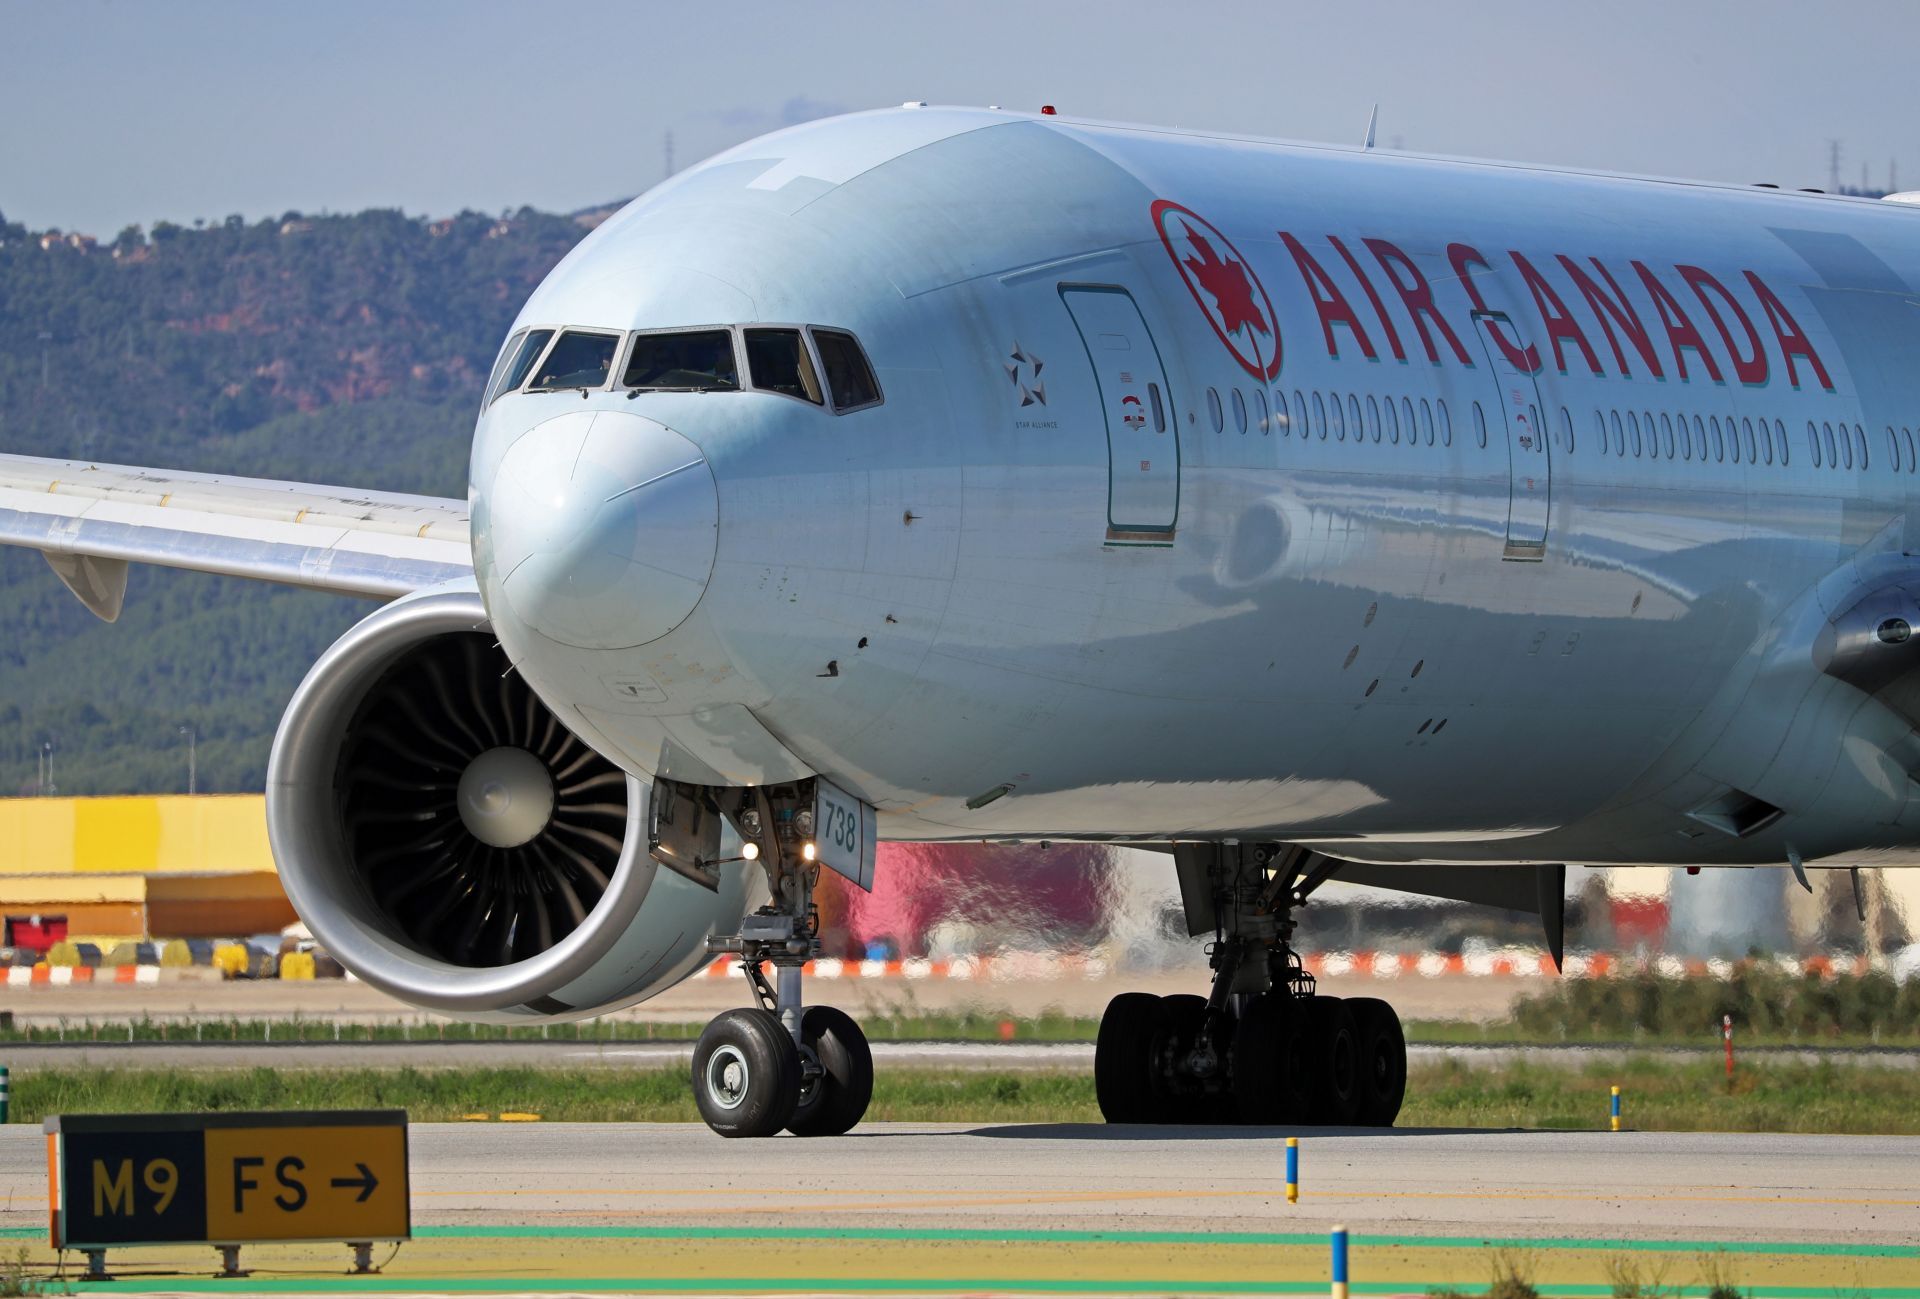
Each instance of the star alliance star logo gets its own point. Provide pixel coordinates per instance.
(1023, 369)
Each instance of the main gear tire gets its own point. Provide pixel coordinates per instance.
(1333, 1061)
(1271, 1080)
(1382, 1061)
(1183, 1097)
(1124, 1080)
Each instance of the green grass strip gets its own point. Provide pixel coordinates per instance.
(1660, 1094)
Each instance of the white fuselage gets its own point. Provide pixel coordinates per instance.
(1439, 510)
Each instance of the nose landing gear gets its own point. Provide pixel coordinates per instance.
(1264, 1047)
(779, 1065)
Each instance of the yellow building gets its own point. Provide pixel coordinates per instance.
(108, 869)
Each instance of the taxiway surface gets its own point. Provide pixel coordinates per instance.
(1039, 1208)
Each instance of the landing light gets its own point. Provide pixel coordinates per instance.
(750, 851)
(807, 852)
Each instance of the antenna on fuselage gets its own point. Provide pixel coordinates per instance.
(1373, 121)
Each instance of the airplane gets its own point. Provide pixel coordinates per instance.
(1298, 512)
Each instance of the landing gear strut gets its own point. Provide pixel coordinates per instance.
(781, 1064)
(1264, 1046)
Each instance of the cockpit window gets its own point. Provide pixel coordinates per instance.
(695, 361)
(517, 359)
(778, 361)
(849, 377)
(578, 360)
(508, 350)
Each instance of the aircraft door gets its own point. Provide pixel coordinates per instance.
(1529, 459)
(1143, 434)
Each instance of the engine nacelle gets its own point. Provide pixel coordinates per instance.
(452, 844)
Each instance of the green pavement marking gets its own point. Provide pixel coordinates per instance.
(833, 1285)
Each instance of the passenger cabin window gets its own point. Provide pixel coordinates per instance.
(1213, 408)
(578, 360)
(1260, 416)
(778, 361)
(513, 370)
(849, 377)
(1239, 411)
(696, 360)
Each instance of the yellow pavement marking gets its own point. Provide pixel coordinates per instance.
(917, 1198)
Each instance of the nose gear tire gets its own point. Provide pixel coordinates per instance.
(1123, 1071)
(746, 1074)
(1383, 1061)
(833, 1102)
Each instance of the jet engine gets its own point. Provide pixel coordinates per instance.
(450, 842)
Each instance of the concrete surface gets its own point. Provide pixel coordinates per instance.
(1042, 1208)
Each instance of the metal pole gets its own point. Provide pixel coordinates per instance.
(193, 740)
(1293, 1170)
(3, 1093)
(1339, 1263)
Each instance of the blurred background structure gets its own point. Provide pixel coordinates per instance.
(107, 871)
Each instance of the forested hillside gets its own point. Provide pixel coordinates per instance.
(342, 349)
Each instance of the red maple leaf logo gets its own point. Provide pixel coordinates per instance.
(1226, 283)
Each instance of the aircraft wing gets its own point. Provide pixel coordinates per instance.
(92, 520)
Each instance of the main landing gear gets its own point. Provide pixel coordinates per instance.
(1263, 1047)
(779, 1065)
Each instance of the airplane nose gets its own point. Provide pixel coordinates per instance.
(601, 529)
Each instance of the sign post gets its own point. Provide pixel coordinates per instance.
(227, 1180)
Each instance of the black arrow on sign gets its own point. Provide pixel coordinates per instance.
(366, 1182)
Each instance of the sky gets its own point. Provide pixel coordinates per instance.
(115, 112)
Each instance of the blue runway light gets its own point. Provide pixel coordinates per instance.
(1293, 1170)
(1339, 1263)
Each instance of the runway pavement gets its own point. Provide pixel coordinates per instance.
(1090, 1209)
